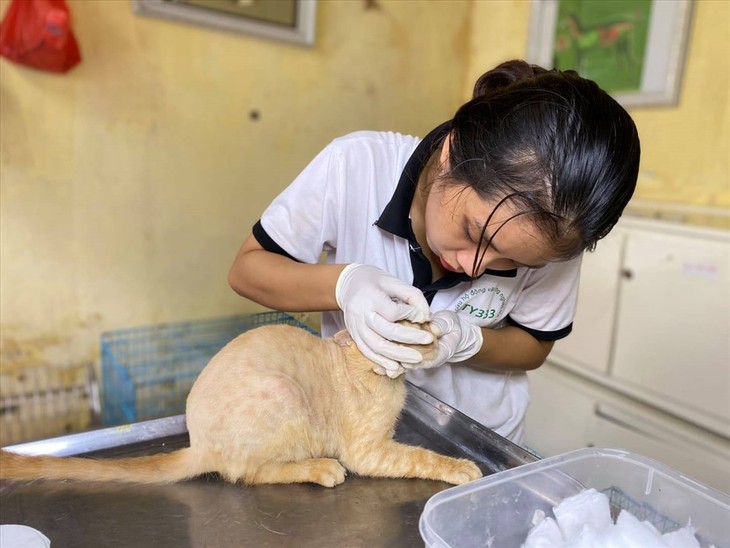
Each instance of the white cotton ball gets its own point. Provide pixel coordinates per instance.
(612, 538)
(681, 538)
(588, 507)
(634, 534)
(621, 536)
(588, 537)
(649, 525)
(545, 534)
(584, 521)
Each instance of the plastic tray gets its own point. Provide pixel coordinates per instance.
(497, 511)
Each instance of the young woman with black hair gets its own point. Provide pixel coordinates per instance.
(479, 228)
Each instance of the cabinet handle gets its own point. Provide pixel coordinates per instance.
(626, 423)
(645, 427)
(627, 273)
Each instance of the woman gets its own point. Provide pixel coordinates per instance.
(479, 228)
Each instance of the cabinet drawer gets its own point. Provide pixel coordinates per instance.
(692, 453)
(568, 412)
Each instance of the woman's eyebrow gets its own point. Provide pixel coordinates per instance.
(487, 238)
(486, 235)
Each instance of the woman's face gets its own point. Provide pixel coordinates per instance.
(454, 219)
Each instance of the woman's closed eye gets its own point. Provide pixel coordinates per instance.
(468, 234)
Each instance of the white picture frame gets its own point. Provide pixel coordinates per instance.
(300, 32)
(663, 60)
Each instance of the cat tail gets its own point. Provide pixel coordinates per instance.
(160, 468)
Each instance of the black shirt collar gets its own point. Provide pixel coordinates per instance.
(395, 218)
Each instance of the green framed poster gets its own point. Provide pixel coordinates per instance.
(633, 49)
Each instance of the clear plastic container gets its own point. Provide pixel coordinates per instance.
(497, 511)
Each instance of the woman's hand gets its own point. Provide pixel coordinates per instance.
(372, 301)
(458, 340)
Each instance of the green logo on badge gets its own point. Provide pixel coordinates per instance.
(482, 313)
(479, 312)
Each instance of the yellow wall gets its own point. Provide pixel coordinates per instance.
(128, 184)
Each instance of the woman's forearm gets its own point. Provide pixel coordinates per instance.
(280, 283)
(510, 349)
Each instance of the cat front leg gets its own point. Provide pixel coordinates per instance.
(391, 459)
(326, 472)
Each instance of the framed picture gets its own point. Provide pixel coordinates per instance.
(287, 20)
(634, 49)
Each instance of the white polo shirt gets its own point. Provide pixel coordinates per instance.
(353, 201)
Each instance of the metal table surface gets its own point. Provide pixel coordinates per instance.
(207, 512)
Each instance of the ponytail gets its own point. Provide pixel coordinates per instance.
(492, 82)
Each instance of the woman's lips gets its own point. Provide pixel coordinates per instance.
(447, 266)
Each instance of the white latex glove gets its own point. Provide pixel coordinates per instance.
(372, 300)
(459, 340)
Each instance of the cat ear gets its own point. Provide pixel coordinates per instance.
(343, 338)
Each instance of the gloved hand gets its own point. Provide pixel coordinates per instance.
(372, 300)
(459, 340)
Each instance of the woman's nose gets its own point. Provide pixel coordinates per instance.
(484, 259)
(466, 261)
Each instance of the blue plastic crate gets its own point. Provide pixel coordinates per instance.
(148, 371)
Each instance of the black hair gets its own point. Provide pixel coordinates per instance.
(554, 145)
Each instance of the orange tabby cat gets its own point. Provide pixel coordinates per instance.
(276, 405)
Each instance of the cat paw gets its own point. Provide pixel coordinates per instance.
(327, 472)
(462, 471)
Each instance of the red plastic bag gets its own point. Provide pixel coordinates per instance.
(37, 33)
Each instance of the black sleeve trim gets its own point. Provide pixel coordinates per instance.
(544, 335)
(263, 238)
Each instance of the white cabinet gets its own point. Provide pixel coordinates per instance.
(568, 411)
(649, 354)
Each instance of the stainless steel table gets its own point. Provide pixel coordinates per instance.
(207, 512)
